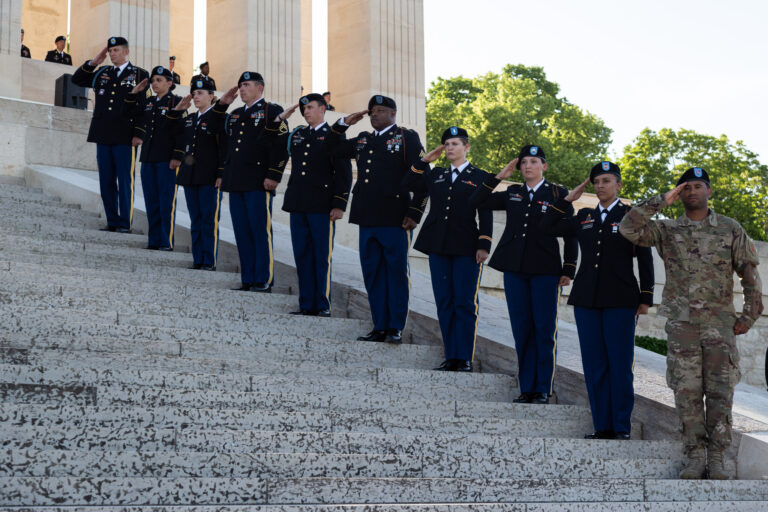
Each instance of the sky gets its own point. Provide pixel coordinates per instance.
(701, 65)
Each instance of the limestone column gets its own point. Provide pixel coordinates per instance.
(10, 48)
(306, 46)
(145, 23)
(256, 35)
(182, 38)
(377, 47)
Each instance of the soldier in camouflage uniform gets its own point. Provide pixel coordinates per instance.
(701, 250)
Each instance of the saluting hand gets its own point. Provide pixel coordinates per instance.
(229, 96)
(354, 118)
(98, 59)
(508, 170)
(481, 255)
(337, 214)
(409, 224)
(288, 113)
(434, 154)
(184, 104)
(140, 86)
(576, 193)
(136, 141)
(671, 196)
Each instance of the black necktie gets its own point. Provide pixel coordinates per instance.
(530, 195)
(603, 215)
(454, 174)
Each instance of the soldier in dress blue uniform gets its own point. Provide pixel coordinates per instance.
(24, 50)
(113, 132)
(605, 297)
(534, 274)
(316, 197)
(202, 166)
(456, 245)
(59, 55)
(256, 137)
(385, 211)
(160, 156)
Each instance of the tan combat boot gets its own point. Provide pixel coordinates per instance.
(716, 467)
(696, 466)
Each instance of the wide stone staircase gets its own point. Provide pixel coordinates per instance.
(130, 382)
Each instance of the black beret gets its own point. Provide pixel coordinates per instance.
(604, 168)
(247, 76)
(172, 57)
(453, 131)
(202, 83)
(117, 41)
(60, 38)
(383, 101)
(694, 174)
(160, 70)
(311, 97)
(204, 64)
(530, 150)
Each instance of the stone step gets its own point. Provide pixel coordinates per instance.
(33, 245)
(96, 437)
(54, 266)
(627, 506)
(21, 210)
(44, 231)
(164, 464)
(46, 415)
(18, 349)
(25, 284)
(10, 195)
(8, 182)
(215, 491)
(60, 377)
(109, 255)
(29, 318)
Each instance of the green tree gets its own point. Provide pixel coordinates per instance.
(654, 161)
(503, 112)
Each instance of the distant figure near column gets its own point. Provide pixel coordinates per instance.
(327, 98)
(24, 50)
(171, 65)
(112, 131)
(59, 55)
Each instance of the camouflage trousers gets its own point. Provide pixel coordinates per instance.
(702, 370)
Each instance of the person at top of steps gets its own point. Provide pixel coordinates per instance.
(701, 250)
(160, 157)
(316, 197)
(457, 238)
(605, 297)
(534, 273)
(201, 145)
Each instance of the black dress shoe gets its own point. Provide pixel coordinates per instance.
(246, 287)
(622, 436)
(167, 249)
(600, 434)
(524, 398)
(123, 230)
(447, 366)
(305, 312)
(394, 336)
(197, 266)
(539, 398)
(209, 268)
(460, 365)
(374, 335)
(261, 288)
(111, 229)
(151, 247)
(324, 313)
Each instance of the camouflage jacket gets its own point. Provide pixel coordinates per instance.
(699, 259)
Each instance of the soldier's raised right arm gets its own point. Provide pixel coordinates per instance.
(745, 262)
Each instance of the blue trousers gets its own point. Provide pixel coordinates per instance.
(384, 260)
(116, 165)
(204, 205)
(607, 340)
(252, 222)
(456, 283)
(159, 184)
(532, 303)
(312, 237)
